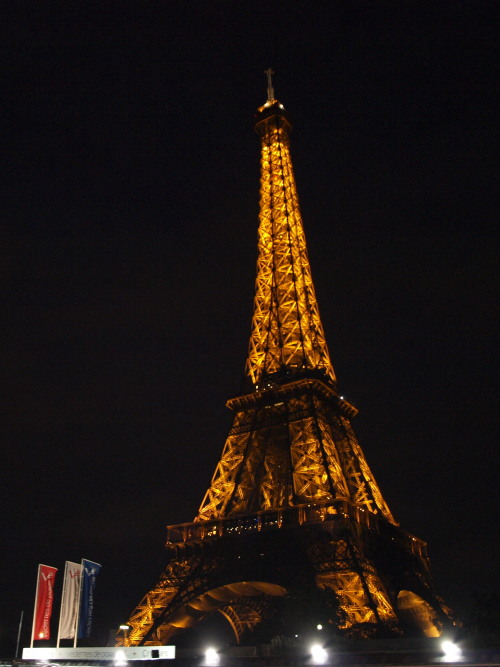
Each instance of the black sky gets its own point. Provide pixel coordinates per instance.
(129, 222)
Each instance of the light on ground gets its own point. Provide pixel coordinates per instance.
(211, 657)
(452, 652)
(318, 654)
(120, 659)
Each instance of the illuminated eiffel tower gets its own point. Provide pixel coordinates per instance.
(293, 524)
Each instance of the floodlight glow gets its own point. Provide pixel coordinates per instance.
(452, 652)
(120, 659)
(211, 657)
(319, 627)
(318, 654)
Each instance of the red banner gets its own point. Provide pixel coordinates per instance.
(43, 602)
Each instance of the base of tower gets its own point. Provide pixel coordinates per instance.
(357, 578)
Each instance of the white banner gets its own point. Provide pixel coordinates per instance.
(69, 600)
(101, 653)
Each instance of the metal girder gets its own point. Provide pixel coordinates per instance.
(242, 617)
(286, 326)
(289, 445)
(154, 603)
(342, 567)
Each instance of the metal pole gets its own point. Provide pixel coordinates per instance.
(19, 633)
(63, 598)
(77, 620)
(34, 611)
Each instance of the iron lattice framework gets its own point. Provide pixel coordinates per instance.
(290, 443)
(293, 508)
(286, 328)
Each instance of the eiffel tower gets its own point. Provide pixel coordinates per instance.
(293, 523)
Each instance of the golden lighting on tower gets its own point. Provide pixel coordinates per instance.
(287, 334)
(291, 472)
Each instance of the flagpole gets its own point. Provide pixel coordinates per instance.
(34, 610)
(19, 633)
(62, 603)
(75, 641)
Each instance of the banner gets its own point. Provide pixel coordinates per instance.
(69, 600)
(90, 571)
(43, 602)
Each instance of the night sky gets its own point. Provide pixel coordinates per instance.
(129, 223)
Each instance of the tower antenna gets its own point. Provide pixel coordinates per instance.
(270, 90)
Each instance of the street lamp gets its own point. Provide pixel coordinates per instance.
(125, 629)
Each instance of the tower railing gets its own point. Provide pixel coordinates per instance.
(312, 513)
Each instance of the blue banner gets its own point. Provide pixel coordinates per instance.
(90, 571)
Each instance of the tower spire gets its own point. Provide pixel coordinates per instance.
(287, 334)
(270, 90)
